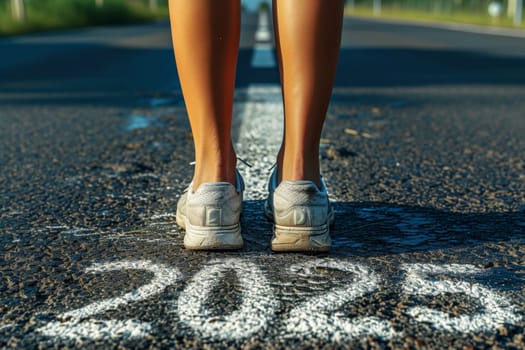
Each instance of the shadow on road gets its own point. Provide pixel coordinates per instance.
(378, 229)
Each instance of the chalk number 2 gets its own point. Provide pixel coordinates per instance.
(79, 325)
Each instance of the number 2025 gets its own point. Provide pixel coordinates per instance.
(314, 318)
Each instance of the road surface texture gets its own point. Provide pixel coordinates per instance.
(423, 152)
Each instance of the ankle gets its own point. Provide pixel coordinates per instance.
(211, 167)
(299, 167)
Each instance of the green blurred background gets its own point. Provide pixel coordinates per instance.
(22, 16)
(485, 12)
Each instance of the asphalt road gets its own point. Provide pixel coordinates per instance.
(423, 152)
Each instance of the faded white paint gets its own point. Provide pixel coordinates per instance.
(264, 31)
(79, 231)
(253, 315)
(90, 330)
(6, 326)
(163, 215)
(498, 309)
(119, 237)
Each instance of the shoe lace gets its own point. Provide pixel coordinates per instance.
(238, 158)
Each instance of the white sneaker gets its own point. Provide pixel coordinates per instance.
(211, 215)
(301, 213)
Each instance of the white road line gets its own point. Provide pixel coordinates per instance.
(259, 121)
(263, 56)
(263, 32)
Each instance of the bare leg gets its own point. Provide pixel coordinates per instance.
(308, 34)
(206, 36)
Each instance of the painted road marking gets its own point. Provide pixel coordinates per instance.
(264, 32)
(76, 325)
(259, 118)
(263, 56)
(259, 121)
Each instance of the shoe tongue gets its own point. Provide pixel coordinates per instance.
(303, 183)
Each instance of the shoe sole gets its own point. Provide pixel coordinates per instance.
(299, 238)
(210, 238)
